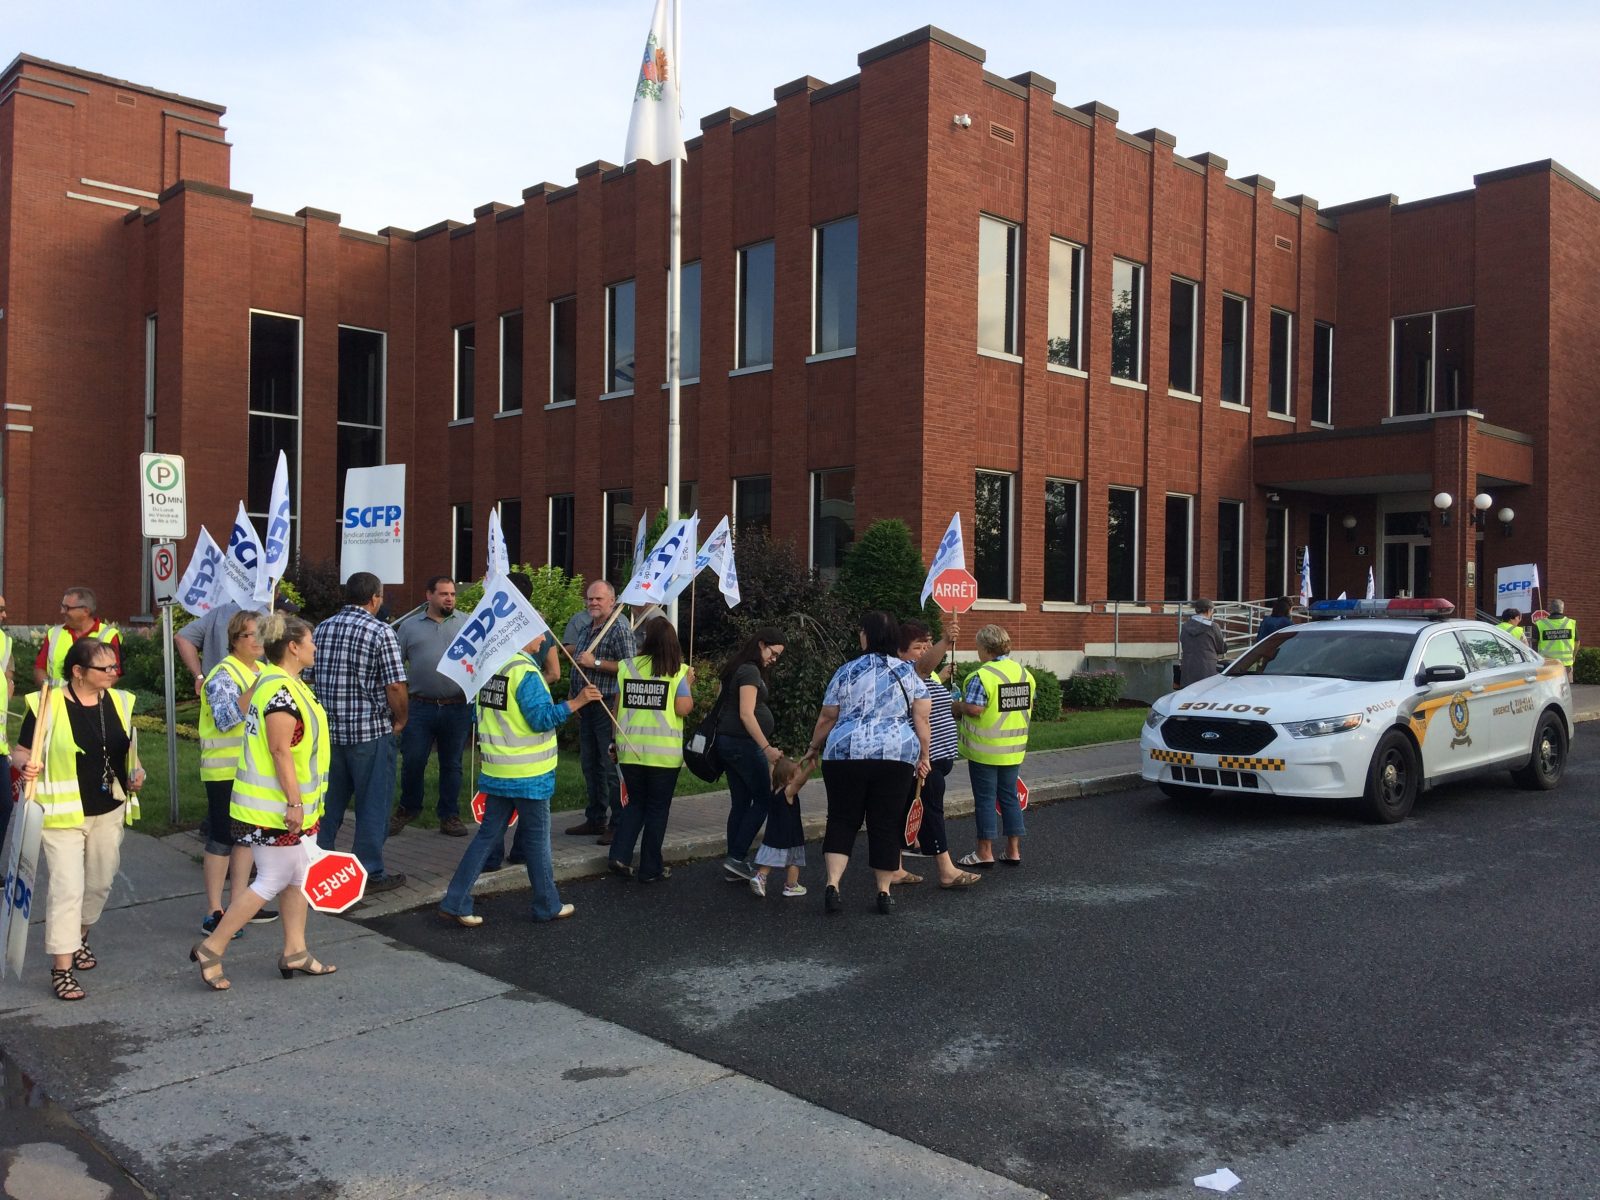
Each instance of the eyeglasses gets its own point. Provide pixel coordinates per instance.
(71, 607)
(109, 668)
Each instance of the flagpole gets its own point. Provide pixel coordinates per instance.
(675, 299)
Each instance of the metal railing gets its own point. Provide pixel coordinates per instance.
(1239, 620)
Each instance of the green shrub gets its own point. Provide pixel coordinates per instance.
(1046, 689)
(1094, 689)
(1586, 667)
(882, 570)
(316, 588)
(143, 664)
(555, 594)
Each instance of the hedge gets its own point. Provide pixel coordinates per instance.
(1046, 684)
(1586, 667)
(1094, 689)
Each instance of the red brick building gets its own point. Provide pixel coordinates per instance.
(922, 289)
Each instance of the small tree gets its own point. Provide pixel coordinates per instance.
(882, 570)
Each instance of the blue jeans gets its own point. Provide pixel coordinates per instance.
(533, 839)
(595, 735)
(430, 725)
(749, 785)
(989, 782)
(649, 804)
(364, 772)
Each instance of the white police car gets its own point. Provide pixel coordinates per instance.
(1374, 710)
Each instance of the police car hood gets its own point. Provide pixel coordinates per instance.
(1283, 697)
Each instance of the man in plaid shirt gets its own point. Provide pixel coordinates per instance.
(360, 679)
(595, 728)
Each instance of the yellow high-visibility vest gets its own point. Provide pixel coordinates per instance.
(57, 789)
(999, 736)
(647, 711)
(58, 640)
(1510, 630)
(219, 750)
(1558, 639)
(258, 797)
(510, 747)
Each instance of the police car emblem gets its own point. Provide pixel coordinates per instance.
(1458, 720)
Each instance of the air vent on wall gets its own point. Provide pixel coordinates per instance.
(1009, 136)
(124, 98)
(1281, 242)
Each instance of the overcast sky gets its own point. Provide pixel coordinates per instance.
(406, 112)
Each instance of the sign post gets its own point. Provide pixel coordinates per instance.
(163, 502)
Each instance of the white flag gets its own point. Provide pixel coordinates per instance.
(241, 565)
(499, 559)
(655, 132)
(717, 553)
(275, 546)
(501, 625)
(655, 572)
(1372, 586)
(638, 542)
(1342, 596)
(683, 574)
(952, 552)
(201, 588)
(1305, 576)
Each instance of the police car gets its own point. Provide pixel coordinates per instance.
(1373, 710)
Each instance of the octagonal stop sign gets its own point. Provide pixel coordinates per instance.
(334, 882)
(1022, 796)
(955, 590)
(479, 802)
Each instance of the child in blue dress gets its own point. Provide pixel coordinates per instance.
(784, 842)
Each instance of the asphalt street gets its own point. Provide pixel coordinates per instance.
(1329, 1008)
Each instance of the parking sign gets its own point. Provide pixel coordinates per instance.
(162, 502)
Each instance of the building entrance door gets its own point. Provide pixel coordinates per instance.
(1407, 555)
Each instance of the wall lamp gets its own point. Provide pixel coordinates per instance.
(962, 121)
(1442, 502)
(1506, 516)
(1349, 524)
(1481, 504)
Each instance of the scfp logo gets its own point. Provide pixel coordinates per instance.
(242, 548)
(372, 516)
(482, 624)
(1517, 587)
(204, 576)
(277, 538)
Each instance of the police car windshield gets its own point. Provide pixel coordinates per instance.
(1363, 655)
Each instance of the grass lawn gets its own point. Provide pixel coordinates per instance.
(1086, 728)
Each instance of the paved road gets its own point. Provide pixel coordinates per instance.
(1329, 1008)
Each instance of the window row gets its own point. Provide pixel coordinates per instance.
(833, 324)
(995, 542)
(999, 274)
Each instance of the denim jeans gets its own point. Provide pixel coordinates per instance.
(749, 785)
(533, 839)
(649, 804)
(595, 735)
(430, 725)
(363, 772)
(989, 782)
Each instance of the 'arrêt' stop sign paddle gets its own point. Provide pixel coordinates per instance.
(335, 881)
(479, 802)
(955, 590)
(1022, 796)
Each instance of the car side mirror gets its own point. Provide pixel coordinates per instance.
(1448, 673)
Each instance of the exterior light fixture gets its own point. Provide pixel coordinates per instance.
(1442, 502)
(962, 121)
(1481, 504)
(1505, 517)
(1349, 524)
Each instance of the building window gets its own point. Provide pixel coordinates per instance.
(1322, 374)
(1183, 320)
(1230, 540)
(361, 392)
(1065, 321)
(511, 362)
(511, 529)
(1277, 552)
(564, 350)
(461, 542)
(997, 285)
(563, 531)
(1178, 571)
(834, 305)
(833, 520)
(688, 328)
(150, 384)
(752, 503)
(1127, 320)
(618, 535)
(688, 498)
(466, 359)
(1122, 545)
(1235, 331)
(1280, 373)
(1060, 540)
(755, 306)
(1432, 369)
(619, 337)
(274, 409)
(991, 558)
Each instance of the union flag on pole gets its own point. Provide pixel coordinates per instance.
(655, 132)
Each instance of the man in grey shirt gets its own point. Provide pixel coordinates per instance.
(440, 714)
(203, 642)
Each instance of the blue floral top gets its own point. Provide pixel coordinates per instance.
(874, 695)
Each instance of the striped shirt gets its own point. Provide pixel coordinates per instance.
(944, 742)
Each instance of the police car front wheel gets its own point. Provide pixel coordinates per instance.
(1548, 760)
(1391, 779)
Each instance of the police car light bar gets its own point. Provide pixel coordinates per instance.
(1425, 608)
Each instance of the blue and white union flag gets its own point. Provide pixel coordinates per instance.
(655, 132)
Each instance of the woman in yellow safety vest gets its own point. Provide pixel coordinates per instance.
(277, 800)
(995, 710)
(87, 776)
(653, 698)
(224, 700)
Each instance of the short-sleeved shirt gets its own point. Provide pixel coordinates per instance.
(101, 740)
(209, 635)
(41, 661)
(746, 675)
(874, 695)
(423, 642)
(358, 656)
(944, 742)
(223, 694)
(617, 645)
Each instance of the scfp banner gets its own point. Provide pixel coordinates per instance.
(374, 534)
(502, 624)
(201, 588)
(242, 563)
(1514, 588)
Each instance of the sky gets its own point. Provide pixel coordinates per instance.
(407, 112)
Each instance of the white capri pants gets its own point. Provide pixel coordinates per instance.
(278, 867)
(83, 861)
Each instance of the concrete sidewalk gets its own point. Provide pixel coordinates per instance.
(698, 828)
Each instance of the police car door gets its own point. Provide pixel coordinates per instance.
(1449, 717)
(1509, 674)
